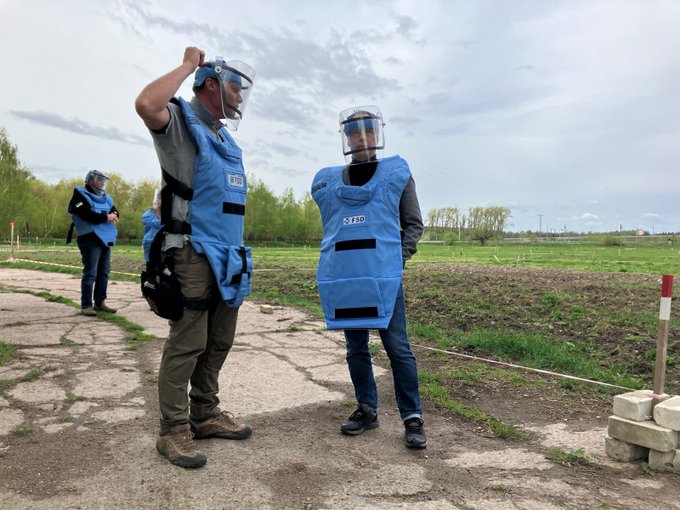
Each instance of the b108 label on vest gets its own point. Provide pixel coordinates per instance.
(353, 220)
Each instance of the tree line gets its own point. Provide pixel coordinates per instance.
(38, 209)
(479, 224)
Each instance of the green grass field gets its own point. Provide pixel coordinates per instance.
(643, 259)
(596, 320)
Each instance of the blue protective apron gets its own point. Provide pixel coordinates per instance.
(98, 203)
(360, 265)
(217, 208)
(152, 224)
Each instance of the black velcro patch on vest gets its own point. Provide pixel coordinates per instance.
(356, 313)
(355, 244)
(232, 208)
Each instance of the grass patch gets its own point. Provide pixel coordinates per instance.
(6, 352)
(135, 332)
(428, 332)
(571, 458)
(65, 341)
(535, 351)
(65, 375)
(52, 256)
(273, 297)
(22, 432)
(56, 299)
(431, 387)
(32, 375)
(71, 398)
(503, 489)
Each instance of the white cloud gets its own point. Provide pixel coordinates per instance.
(585, 217)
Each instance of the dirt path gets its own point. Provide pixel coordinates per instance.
(78, 422)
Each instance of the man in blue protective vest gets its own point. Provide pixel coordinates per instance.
(371, 226)
(203, 196)
(94, 218)
(151, 221)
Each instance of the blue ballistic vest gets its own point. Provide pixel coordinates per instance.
(217, 208)
(152, 224)
(98, 203)
(360, 265)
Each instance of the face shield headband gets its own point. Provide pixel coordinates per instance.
(97, 181)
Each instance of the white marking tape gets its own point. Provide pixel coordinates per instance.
(538, 370)
(665, 309)
(62, 265)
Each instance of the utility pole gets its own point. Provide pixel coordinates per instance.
(540, 224)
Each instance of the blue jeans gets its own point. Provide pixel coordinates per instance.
(403, 362)
(96, 257)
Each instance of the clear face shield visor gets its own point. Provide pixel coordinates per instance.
(236, 82)
(100, 183)
(97, 180)
(361, 131)
(156, 199)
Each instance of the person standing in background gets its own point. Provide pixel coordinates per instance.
(94, 218)
(151, 220)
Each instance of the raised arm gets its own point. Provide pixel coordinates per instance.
(151, 104)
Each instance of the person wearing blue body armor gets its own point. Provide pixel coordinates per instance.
(94, 218)
(371, 226)
(151, 221)
(203, 192)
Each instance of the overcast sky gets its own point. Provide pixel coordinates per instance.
(566, 112)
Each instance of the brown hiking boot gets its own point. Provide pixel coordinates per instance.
(223, 425)
(89, 311)
(104, 308)
(178, 446)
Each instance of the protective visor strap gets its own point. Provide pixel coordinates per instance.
(355, 244)
(356, 313)
(232, 208)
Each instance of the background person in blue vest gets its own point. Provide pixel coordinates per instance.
(372, 224)
(202, 180)
(151, 221)
(94, 217)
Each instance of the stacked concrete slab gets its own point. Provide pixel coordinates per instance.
(638, 432)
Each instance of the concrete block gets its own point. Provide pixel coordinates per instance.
(667, 413)
(624, 452)
(643, 433)
(634, 405)
(665, 461)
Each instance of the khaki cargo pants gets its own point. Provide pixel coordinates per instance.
(196, 347)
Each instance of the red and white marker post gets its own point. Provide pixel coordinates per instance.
(11, 239)
(662, 339)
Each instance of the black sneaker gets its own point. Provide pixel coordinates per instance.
(415, 433)
(363, 418)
